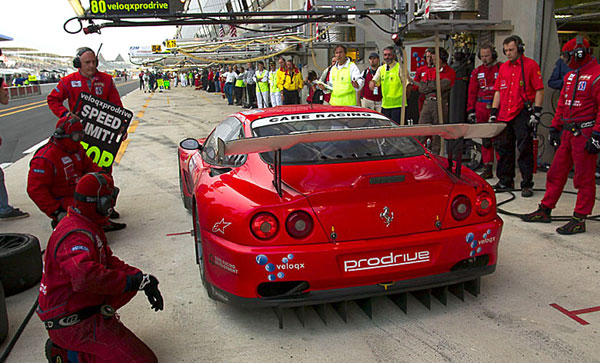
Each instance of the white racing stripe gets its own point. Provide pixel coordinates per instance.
(35, 147)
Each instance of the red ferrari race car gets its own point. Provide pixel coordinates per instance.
(311, 204)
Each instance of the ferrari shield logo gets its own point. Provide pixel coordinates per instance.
(386, 216)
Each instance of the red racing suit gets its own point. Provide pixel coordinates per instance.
(419, 75)
(53, 175)
(80, 271)
(480, 97)
(579, 104)
(69, 87)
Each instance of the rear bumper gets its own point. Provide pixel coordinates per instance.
(325, 272)
(357, 292)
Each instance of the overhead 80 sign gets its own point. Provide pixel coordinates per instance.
(104, 125)
(129, 7)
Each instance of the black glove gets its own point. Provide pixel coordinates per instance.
(554, 137)
(149, 284)
(534, 119)
(493, 114)
(59, 214)
(486, 142)
(593, 144)
(471, 118)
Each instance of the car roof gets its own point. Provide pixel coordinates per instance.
(252, 115)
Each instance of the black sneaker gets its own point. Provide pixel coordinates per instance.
(575, 225)
(15, 213)
(526, 192)
(500, 187)
(541, 215)
(115, 215)
(114, 226)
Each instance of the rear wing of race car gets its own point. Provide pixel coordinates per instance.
(283, 142)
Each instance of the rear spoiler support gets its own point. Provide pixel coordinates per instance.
(277, 172)
(456, 152)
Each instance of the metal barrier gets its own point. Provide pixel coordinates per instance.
(24, 91)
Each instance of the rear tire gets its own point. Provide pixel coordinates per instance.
(20, 262)
(3, 316)
(199, 251)
(187, 201)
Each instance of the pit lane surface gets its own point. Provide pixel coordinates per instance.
(27, 122)
(511, 320)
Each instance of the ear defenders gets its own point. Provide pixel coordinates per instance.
(518, 41)
(580, 51)
(488, 45)
(80, 51)
(104, 203)
(59, 133)
(443, 53)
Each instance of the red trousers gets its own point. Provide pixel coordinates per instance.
(104, 340)
(482, 114)
(571, 153)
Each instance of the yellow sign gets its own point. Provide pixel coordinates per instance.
(156, 48)
(171, 43)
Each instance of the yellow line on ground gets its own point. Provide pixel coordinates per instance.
(122, 151)
(205, 98)
(140, 114)
(133, 126)
(25, 105)
(25, 109)
(168, 101)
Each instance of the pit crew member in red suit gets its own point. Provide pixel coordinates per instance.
(57, 167)
(519, 92)
(83, 284)
(419, 74)
(576, 132)
(481, 95)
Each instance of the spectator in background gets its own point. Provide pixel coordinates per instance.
(7, 212)
(274, 90)
(325, 79)
(240, 86)
(558, 74)
(261, 77)
(250, 86)
(291, 84)
(229, 81)
(371, 98)
(312, 87)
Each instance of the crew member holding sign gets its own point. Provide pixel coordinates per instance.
(57, 167)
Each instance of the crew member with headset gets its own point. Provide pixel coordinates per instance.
(84, 284)
(575, 131)
(389, 77)
(427, 86)
(345, 80)
(518, 96)
(480, 97)
(57, 167)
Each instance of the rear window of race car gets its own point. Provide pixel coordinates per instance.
(334, 151)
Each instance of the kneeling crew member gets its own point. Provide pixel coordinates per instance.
(83, 284)
(57, 167)
(576, 118)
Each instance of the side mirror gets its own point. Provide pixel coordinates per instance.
(190, 144)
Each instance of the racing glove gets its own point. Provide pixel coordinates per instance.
(471, 117)
(493, 115)
(534, 119)
(149, 284)
(592, 146)
(486, 142)
(554, 137)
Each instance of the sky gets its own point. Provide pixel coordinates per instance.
(39, 24)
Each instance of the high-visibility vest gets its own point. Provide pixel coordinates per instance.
(32, 78)
(262, 86)
(273, 88)
(343, 93)
(391, 86)
(240, 83)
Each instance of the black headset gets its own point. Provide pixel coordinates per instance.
(580, 51)
(518, 41)
(80, 51)
(104, 203)
(59, 133)
(488, 45)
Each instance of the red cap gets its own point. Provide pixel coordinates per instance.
(69, 125)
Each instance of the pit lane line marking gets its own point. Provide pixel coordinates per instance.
(25, 109)
(131, 129)
(36, 146)
(25, 105)
(4, 166)
(573, 313)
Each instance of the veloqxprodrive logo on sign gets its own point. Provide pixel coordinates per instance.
(386, 261)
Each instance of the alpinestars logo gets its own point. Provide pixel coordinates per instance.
(387, 261)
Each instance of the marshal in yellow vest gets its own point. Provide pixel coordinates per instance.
(343, 93)
(391, 86)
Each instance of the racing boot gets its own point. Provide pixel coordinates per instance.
(55, 354)
(575, 225)
(541, 215)
(487, 172)
(114, 226)
(114, 214)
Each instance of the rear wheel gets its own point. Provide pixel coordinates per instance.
(199, 251)
(3, 317)
(187, 201)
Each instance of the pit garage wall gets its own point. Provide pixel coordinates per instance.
(533, 21)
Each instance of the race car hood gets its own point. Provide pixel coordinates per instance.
(367, 200)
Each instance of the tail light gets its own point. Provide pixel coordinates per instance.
(483, 204)
(461, 207)
(299, 224)
(264, 225)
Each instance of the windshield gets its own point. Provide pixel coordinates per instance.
(335, 151)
